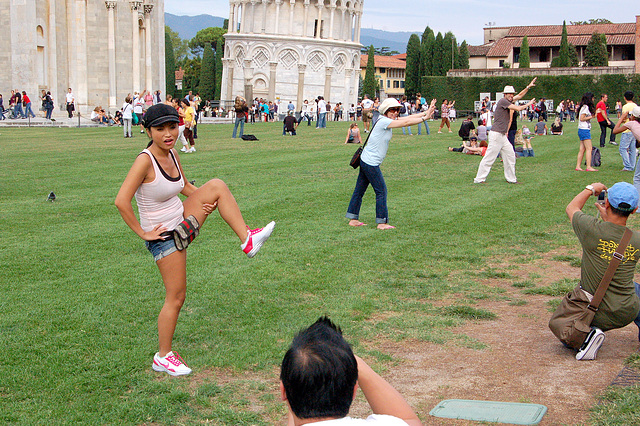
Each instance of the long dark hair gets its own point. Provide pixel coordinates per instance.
(587, 99)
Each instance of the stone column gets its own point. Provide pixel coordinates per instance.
(358, 21)
(300, 99)
(348, 74)
(305, 23)
(77, 48)
(232, 17)
(147, 49)
(342, 31)
(252, 21)
(264, 16)
(248, 74)
(111, 44)
(278, 3)
(135, 40)
(292, 4)
(272, 80)
(228, 65)
(53, 51)
(327, 83)
(243, 27)
(350, 35)
(332, 7)
(319, 27)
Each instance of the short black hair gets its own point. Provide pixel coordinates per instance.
(621, 213)
(319, 372)
(628, 95)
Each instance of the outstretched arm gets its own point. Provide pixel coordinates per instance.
(382, 397)
(525, 90)
(414, 118)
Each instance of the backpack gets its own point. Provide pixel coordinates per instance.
(596, 159)
(403, 108)
(248, 138)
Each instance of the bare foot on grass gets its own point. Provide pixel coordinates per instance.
(385, 226)
(356, 222)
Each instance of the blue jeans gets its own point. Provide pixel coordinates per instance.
(17, 111)
(426, 126)
(322, 120)
(627, 150)
(369, 175)
(239, 120)
(49, 110)
(28, 110)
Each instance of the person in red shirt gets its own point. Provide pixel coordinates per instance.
(604, 122)
(27, 105)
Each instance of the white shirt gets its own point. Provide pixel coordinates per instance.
(322, 106)
(374, 419)
(69, 98)
(367, 104)
(585, 125)
(127, 109)
(487, 117)
(137, 105)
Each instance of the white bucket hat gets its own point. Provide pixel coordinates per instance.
(509, 89)
(635, 111)
(388, 103)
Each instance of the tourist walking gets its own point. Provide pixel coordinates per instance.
(70, 103)
(603, 120)
(127, 117)
(586, 110)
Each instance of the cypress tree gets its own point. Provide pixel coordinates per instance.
(370, 84)
(524, 61)
(438, 56)
(412, 71)
(207, 85)
(463, 57)
(169, 66)
(595, 54)
(564, 57)
(426, 53)
(448, 57)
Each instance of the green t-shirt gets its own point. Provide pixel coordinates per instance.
(599, 241)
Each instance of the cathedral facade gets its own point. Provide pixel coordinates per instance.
(102, 50)
(293, 50)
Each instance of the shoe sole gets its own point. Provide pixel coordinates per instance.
(161, 369)
(592, 348)
(256, 248)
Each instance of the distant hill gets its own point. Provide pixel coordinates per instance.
(188, 26)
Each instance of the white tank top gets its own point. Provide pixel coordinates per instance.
(158, 202)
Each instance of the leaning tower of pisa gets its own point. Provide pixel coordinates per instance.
(293, 50)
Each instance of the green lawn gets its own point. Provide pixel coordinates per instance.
(80, 294)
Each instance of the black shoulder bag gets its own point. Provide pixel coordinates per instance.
(355, 160)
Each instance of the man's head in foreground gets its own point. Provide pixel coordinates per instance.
(319, 372)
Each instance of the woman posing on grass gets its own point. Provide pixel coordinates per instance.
(375, 150)
(586, 110)
(155, 179)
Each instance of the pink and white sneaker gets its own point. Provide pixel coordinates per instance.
(171, 364)
(255, 239)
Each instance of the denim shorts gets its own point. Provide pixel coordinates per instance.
(584, 134)
(160, 249)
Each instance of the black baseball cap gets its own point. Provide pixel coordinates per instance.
(160, 114)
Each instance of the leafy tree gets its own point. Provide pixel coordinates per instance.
(370, 83)
(412, 72)
(524, 61)
(591, 22)
(595, 54)
(212, 35)
(207, 86)
(573, 56)
(438, 56)
(449, 47)
(169, 65)
(191, 79)
(380, 51)
(426, 52)
(463, 56)
(180, 46)
(564, 57)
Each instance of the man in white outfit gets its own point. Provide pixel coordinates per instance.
(498, 141)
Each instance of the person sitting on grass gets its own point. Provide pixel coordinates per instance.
(556, 127)
(353, 134)
(155, 179)
(482, 131)
(541, 127)
(319, 378)
(599, 240)
(523, 137)
(289, 124)
(473, 147)
(466, 127)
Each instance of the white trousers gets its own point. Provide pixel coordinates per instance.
(181, 137)
(498, 144)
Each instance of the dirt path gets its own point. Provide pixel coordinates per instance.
(523, 361)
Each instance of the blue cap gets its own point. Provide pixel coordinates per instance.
(623, 196)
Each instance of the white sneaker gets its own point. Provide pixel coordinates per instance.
(171, 364)
(255, 239)
(183, 149)
(193, 149)
(591, 345)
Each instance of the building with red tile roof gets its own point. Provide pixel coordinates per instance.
(389, 71)
(502, 44)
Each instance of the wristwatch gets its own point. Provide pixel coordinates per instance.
(590, 188)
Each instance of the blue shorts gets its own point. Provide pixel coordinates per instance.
(584, 134)
(160, 249)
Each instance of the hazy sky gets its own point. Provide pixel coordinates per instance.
(465, 18)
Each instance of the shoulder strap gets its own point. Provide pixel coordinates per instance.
(608, 275)
(370, 131)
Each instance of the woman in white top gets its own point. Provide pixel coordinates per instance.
(127, 116)
(586, 110)
(155, 179)
(373, 154)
